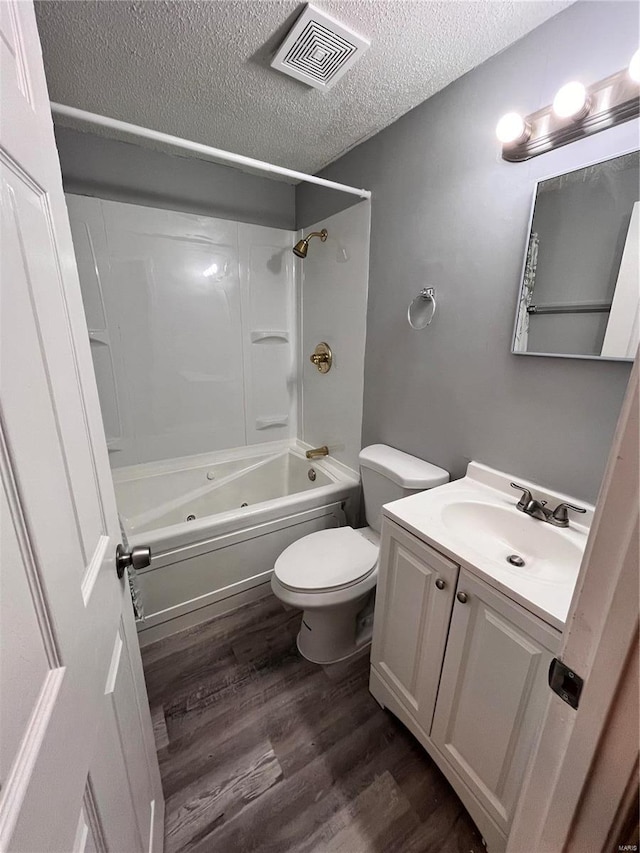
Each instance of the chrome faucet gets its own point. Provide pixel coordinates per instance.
(538, 509)
(317, 452)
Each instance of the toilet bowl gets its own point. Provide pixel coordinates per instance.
(331, 575)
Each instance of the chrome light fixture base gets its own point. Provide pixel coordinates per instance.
(612, 101)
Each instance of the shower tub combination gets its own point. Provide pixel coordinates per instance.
(216, 523)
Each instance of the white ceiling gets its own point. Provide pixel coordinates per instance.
(200, 70)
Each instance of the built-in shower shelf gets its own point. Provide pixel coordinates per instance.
(269, 336)
(272, 421)
(99, 336)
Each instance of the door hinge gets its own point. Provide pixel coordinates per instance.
(565, 682)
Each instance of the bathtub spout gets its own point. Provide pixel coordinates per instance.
(317, 452)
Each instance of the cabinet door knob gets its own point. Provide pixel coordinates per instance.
(462, 597)
(440, 583)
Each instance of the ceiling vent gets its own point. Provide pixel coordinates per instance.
(319, 49)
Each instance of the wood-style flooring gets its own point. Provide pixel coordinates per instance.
(262, 751)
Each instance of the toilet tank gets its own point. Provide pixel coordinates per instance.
(389, 474)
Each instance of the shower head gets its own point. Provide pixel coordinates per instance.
(302, 246)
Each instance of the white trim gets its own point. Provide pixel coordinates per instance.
(204, 151)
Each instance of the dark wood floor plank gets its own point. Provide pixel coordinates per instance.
(307, 800)
(182, 674)
(196, 751)
(313, 729)
(448, 830)
(264, 639)
(160, 733)
(358, 826)
(213, 631)
(194, 813)
(242, 689)
(263, 752)
(195, 742)
(184, 769)
(345, 668)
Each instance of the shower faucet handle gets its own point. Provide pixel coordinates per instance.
(322, 357)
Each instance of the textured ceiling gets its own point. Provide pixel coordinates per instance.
(200, 70)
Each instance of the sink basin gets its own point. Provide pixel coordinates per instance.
(497, 532)
(474, 522)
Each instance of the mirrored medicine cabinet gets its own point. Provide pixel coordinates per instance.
(580, 291)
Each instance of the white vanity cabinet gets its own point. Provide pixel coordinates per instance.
(414, 598)
(465, 668)
(492, 693)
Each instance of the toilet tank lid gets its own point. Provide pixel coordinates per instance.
(402, 468)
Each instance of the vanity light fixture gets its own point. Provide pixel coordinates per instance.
(572, 101)
(577, 111)
(512, 129)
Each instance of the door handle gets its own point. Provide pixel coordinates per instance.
(138, 557)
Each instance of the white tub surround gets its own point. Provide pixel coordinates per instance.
(193, 328)
(227, 550)
(334, 281)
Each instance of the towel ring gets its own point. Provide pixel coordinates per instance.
(422, 309)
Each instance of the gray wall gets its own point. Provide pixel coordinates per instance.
(449, 212)
(120, 171)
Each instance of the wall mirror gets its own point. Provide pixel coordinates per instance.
(580, 291)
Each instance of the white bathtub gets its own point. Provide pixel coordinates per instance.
(247, 506)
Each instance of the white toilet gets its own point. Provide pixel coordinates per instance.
(332, 574)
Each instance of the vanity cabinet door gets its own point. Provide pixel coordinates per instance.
(413, 608)
(492, 693)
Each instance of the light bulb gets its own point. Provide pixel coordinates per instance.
(634, 67)
(572, 101)
(512, 129)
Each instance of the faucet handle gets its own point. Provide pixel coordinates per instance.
(525, 500)
(560, 516)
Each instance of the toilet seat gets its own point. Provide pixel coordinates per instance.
(326, 560)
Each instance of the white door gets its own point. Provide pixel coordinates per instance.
(78, 769)
(413, 607)
(583, 777)
(492, 693)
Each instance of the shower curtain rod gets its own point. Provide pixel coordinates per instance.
(199, 148)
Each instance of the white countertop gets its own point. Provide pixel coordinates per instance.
(488, 528)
